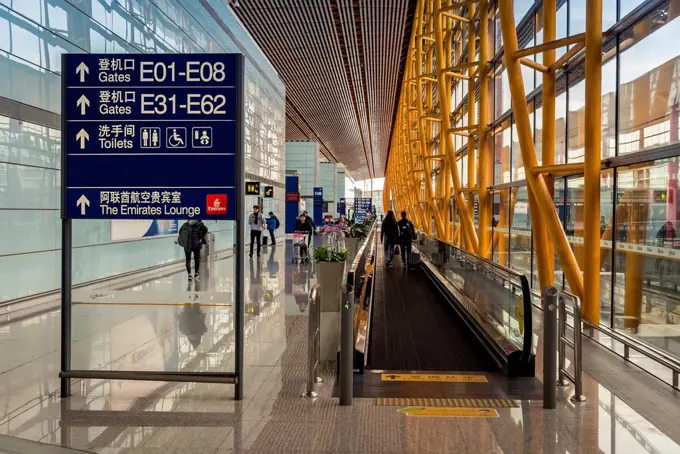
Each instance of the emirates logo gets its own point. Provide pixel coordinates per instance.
(216, 204)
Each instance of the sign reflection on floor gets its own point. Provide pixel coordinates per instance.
(450, 412)
(453, 378)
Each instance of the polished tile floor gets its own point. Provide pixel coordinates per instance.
(168, 324)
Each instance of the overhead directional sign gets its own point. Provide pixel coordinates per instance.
(151, 136)
(269, 192)
(362, 207)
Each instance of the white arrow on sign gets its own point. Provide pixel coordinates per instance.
(82, 136)
(82, 69)
(83, 103)
(83, 203)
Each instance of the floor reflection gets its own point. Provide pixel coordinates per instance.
(149, 417)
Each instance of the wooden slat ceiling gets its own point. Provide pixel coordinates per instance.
(341, 62)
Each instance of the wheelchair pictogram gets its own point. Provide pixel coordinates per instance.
(176, 137)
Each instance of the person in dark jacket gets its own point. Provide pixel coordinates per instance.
(304, 226)
(191, 238)
(407, 234)
(389, 236)
(312, 227)
(666, 233)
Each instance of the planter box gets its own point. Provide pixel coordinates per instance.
(329, 276)
(352, 248)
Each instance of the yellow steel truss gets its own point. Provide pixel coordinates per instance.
(450, 48)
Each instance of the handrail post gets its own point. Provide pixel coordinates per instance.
(550, 344)
(313, 341)
(347, 346)
(578, 356)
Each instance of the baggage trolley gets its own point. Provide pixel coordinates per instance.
(300, 249)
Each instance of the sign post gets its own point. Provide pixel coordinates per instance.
(152, 136)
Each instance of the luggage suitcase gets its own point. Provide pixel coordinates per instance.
(414, 259)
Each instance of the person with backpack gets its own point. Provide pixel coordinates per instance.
(407, 234)
(272, 224)
(389, 234)
(257, 225)
(191, 238)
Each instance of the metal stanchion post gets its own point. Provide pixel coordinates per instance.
(562, 354)
(347, 346)
(313, 341)
(578, 359)
(550, 347)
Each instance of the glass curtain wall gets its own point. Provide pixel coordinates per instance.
(33, 35)
(640, 256)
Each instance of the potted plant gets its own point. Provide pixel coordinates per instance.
(356, 233)
(330, 267)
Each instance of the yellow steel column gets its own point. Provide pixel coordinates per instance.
(593, 112)
(404, 120)
(485, 161)
(447, 144)
(427, 175)
(471, 106)
(410, 138)
(536, 183)
(449, 215)
(545, 257)
(635, 262)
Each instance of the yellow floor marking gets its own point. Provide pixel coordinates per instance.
(445, 402)
(453, 378)
(450, 412)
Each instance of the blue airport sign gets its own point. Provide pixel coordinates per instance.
(149, 136)
(362, 207)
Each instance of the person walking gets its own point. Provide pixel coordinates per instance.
(272, 224)
(389, 236)
(407, 233)
(191, 238)
(312, 227)
(257, 224)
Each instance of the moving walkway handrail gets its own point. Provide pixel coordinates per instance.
(497, 268)
(360, 252)
(503, 272)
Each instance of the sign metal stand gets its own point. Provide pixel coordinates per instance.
(162, 133)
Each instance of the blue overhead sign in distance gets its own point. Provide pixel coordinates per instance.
(362, 207)
(151, 136)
